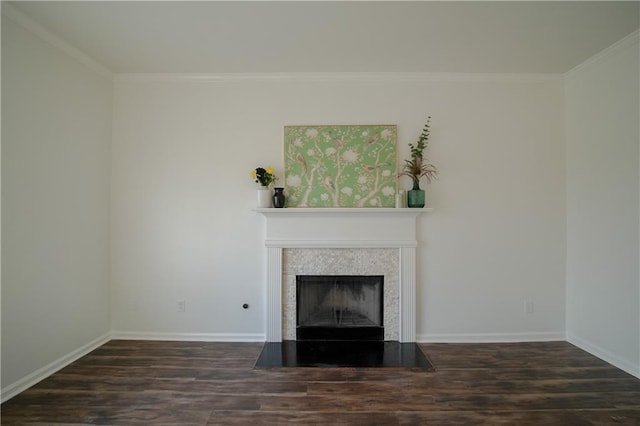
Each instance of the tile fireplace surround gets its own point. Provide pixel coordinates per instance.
(343, 234)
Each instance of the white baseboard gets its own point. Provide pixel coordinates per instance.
(26, 382)
(603, 354)
(189, 337)
(23, 384)
(491, 337)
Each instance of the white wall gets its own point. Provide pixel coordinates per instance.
(603, 314)
(181, 198)
(182, 225)
(56, 130)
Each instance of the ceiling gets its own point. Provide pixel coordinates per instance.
(355, 36)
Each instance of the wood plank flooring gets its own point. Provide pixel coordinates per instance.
(195, 383)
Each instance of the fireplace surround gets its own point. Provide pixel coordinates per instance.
(335, 229)
(341, 261)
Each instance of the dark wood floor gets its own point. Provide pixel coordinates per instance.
(142, 382)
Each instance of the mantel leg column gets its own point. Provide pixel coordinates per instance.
(274, 294)
(407, 294)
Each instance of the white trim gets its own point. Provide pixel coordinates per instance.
(342, 211)
(40, 374)
(188, 337)
(30, 25)
(614, 49)
(353, 77)
(605, 355)
(535, 336)
(407, 269)
(274, 294)
(334, 228)
(341, 244)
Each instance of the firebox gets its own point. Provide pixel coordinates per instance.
(339, 307)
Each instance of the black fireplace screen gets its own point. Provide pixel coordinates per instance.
(339, 307)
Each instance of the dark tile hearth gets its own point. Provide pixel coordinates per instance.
(354, 354)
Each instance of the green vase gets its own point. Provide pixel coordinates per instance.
(415, 196)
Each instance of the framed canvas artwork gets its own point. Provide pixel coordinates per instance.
(340, 166)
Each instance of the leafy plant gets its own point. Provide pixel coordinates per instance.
(264, 177)
(418, 167)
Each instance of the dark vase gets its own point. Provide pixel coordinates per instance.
(415, 196)
(278, 198)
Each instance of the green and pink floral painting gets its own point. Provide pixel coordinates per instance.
(340, 166)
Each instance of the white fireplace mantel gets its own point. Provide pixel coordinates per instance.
(341, 228)
(323, 211)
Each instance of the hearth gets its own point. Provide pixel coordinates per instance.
(343, 354)
(339, 307)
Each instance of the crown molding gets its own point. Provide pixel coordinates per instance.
(614, 49)
(35, 28)
(347, 77)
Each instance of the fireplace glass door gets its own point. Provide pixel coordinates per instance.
(339, 307)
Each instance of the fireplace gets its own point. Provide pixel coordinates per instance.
(380, 262)
(379, 241)
(342, 242)
(339, 307)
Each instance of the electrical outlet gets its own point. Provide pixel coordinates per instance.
(181, 305)
(528, 307)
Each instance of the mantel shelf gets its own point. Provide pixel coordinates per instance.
(325, 211)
